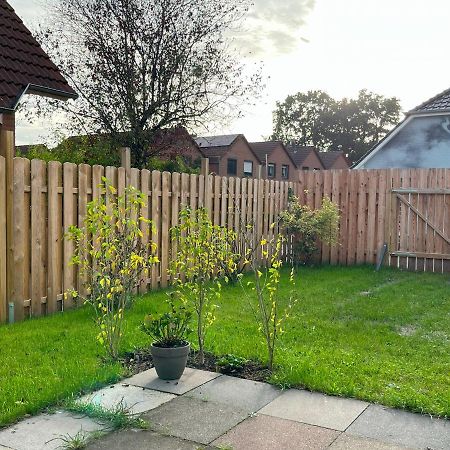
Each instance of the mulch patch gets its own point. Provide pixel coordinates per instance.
(251, 370)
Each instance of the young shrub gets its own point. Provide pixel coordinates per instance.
(112, 258)
(203, 252)
(262, 293)
(308, 227)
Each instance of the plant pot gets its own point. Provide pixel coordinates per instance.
(170, 362)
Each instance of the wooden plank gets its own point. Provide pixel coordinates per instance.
(184, 190)
(411, 190)
(344, 207)
(230, 205)
(237, 204)
(423, 255)
(145, 213)
(352, 217)
(217, 189)
(38, 227)
(193, 192)
(201, 191)
(84, 180)
(327, 177)
(55, 236)
(335, 199)
(20, 244)
(404, 220)
(69, 211)
(156, 218)
(176, 179)
(223, 202)
(3, 266)
(422, 182)
(165, 220)
(209, 180)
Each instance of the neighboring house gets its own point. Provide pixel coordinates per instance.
(421, 140)
(333, 160)
(305, 158)
(24, 69)
(229, 155)
(275, 160)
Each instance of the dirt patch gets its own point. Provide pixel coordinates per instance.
(407, 330)
(251, 370)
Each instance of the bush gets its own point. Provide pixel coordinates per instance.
(202, 253)
(112, 258)
(308, 227)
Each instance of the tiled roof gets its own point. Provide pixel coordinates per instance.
(439, 103)
(261, 149)
(329, 158)
(216, 141)
(299, 154)
(23, 64)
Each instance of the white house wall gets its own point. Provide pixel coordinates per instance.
(423, 142)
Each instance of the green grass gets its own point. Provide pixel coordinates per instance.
(382, 337)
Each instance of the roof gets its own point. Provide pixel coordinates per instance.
(216, 141)
(24, 66)
(261, 149)
(438, 103)
(298, 154)
(329, 158)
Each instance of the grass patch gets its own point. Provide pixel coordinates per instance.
(382, 337)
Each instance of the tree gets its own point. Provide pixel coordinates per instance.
(142, 65)
(349, 125)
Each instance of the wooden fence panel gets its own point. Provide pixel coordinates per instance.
(3, 266)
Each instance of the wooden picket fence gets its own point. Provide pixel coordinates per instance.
(48, 198)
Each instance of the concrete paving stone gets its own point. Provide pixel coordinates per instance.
(137, 399)
(272, 433)
(348, 442)
(42, 432)
(191, 379)
(247, 395)
(315, 409)
(193, 419)
(143, 440)
(402, 428)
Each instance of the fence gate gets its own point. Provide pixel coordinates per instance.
(418, 229)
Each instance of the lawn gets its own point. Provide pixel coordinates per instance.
(382, 337)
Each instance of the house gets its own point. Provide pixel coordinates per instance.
(333, 160)
(421, 140)
(275, 160)
(305, 158)
(24, 69)
(229, 155)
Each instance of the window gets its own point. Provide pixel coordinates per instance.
(285, 172)
(271, 170)
(248, 168)
(305, 168)
(232, 166)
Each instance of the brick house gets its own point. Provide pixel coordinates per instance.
(305, 158)
(229, 155)
(334, 160)
(276, 162)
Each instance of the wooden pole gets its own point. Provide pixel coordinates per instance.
(125, 162)
(7, 150)
(205, 167)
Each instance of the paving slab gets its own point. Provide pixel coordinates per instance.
(137, 399)
(42, 432)
(247, 395)
(349, 442)
(143, 440)
(193, 419)
(191, 379)
(272, 433)
(402, 428)
(315, 409)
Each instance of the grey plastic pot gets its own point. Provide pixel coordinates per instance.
(170, 362)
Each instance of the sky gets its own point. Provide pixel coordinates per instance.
(391, 47)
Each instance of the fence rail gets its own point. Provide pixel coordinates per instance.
(48, 198)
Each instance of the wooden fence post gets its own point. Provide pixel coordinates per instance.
(3, 302)
(125, 162)
(205, 167)
(7, 150)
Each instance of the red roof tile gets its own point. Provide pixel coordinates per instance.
(23, 63)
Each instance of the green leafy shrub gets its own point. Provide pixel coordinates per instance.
(308, 227)
(198, 266)
(231, 363)
(169, 329)
(112, 258)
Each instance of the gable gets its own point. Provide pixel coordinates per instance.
(421, 142)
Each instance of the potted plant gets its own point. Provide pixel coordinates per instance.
(169, 330)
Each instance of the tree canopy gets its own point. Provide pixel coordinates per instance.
(353, 126)
(143, 65)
